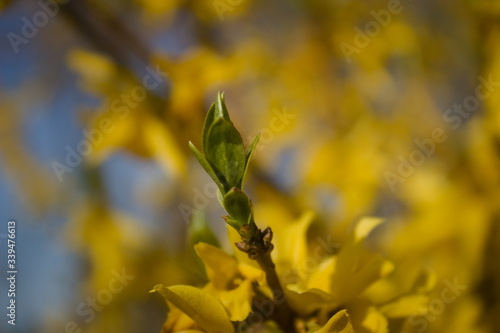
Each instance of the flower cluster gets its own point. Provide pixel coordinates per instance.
(327, 288)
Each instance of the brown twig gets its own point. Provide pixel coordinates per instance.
(105, 30)
(259, 248)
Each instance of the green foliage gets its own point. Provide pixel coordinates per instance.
(226, 162)
(238, 206)
(249, 155)
(225, 153)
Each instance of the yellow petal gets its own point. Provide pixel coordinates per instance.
(290, 245)
(321, 277)
(305, 302)
(339, 323)
(365, 226)
(94, 69)
(176, 320)
(164, 147)
(356, 267)
(404, 306)
(407, 278)
(374, 321)
(349, 281)
(221, 267)
(252, 273)
(116, 130)
(199, 305)
(238, 301)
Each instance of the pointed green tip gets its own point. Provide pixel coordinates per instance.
(220, 107)
(220, 100)
(192, 147)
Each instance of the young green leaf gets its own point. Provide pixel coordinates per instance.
(233, 223)
(248, 157)
(220, 198)
(209, 119)
(204, 163)
(225, 152)
(238, 205)
(220, 108)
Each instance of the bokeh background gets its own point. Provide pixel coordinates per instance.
(344, 93)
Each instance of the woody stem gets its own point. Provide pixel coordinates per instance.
(284, 314)
(259, 249)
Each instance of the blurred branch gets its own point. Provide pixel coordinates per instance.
(109, 34)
